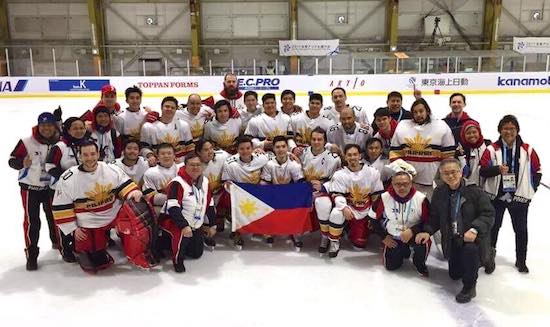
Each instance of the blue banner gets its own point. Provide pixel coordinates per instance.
(82, 85)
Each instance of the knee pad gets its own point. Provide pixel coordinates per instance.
(358, 232)
(323, 206)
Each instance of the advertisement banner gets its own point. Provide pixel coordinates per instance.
(309, 47)
(62, 85)
(532, 44)
(13, 85)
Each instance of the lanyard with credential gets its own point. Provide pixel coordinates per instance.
(457, 208)
(407, 213)
(512, 154)
(199, 196)
(400, 114)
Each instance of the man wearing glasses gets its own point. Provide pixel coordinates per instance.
(464, 215)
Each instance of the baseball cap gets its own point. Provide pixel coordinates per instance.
(108, 89)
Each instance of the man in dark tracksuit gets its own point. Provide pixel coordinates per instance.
(29, 157)
(464, 215)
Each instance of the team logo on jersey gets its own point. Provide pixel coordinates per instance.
(359, 196)
(253, 177)
(275, 132)
(311, 174)
(281, 179)
(214, 182)
(418, 143)
(225, 140)
(135, 133)
(197, 129)
(304, 135)
(100, 195)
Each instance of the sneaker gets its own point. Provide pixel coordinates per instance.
(490, 265)
(323, 247)
(466, 295)
(522, 267)
(334, 249)
(68, 256)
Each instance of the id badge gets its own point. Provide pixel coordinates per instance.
(509, 183)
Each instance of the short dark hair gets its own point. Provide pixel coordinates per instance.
(200, 144)
(316, 96)
(133, 89)
(457, 95)
(422, 102)
(268, 96)
(169, 98)
(351, 146)
(86, 143)
(250, 93)
(382, 112)
(508, 119)
(447, 161)
(337, 88)
(189, 156)
(165, 146)
(222, 103)
(129, 141)
(229, 74)
(374, 140)
(394, 94)
(319, 130)
(280, 138)
(287, 92)
(244, 139)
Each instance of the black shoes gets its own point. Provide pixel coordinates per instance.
(179, 267)
(422, 270)
(466, 295)
(32, 259)
(522, 267)
(490, 265)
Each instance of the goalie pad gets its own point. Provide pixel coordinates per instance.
(136, 227)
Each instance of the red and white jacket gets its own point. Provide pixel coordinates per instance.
(397, 214)
(192, 200)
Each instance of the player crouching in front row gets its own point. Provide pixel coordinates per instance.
(88, 201)
(189, 211)
(353, 189)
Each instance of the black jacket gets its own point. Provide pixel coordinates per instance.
(476, 211)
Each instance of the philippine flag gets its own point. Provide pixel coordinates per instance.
(271, 209)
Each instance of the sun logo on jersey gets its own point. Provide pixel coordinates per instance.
(311, 174)
(359, 196)
(135, 133)
(281, 179)
(171, 139)
(304, 136)
(253, 177)
(275, 132)
(418, 143)
(100, 195)
(225, 140)
(214, 182)
(197, 129)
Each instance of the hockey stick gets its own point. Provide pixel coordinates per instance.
(545, 185)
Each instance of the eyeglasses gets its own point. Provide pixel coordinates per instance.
(450, 173)
(401, 184)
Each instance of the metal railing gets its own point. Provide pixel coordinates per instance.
(174, 60)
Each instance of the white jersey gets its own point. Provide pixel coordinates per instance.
(109, 145)
(192, 199)
(380, 165)
(62, 156)
(223, 135)
(136, 171)
(285, 173)
(129, 123)
(244, 172)
(423, 146)
(302, 125)
(195, 122)
(34, 177)
(264, 127)
(213, 170)
(245, 116)
(319, 167)
(156, 178)
(237, 104)
(332, 114)
(357, 187)
(90, 199)
(337, 135)
(177, 133)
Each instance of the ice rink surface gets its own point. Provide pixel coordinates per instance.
(262, 286)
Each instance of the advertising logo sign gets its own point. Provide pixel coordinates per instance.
(13, 85)
(259, 83)
(80, 85)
